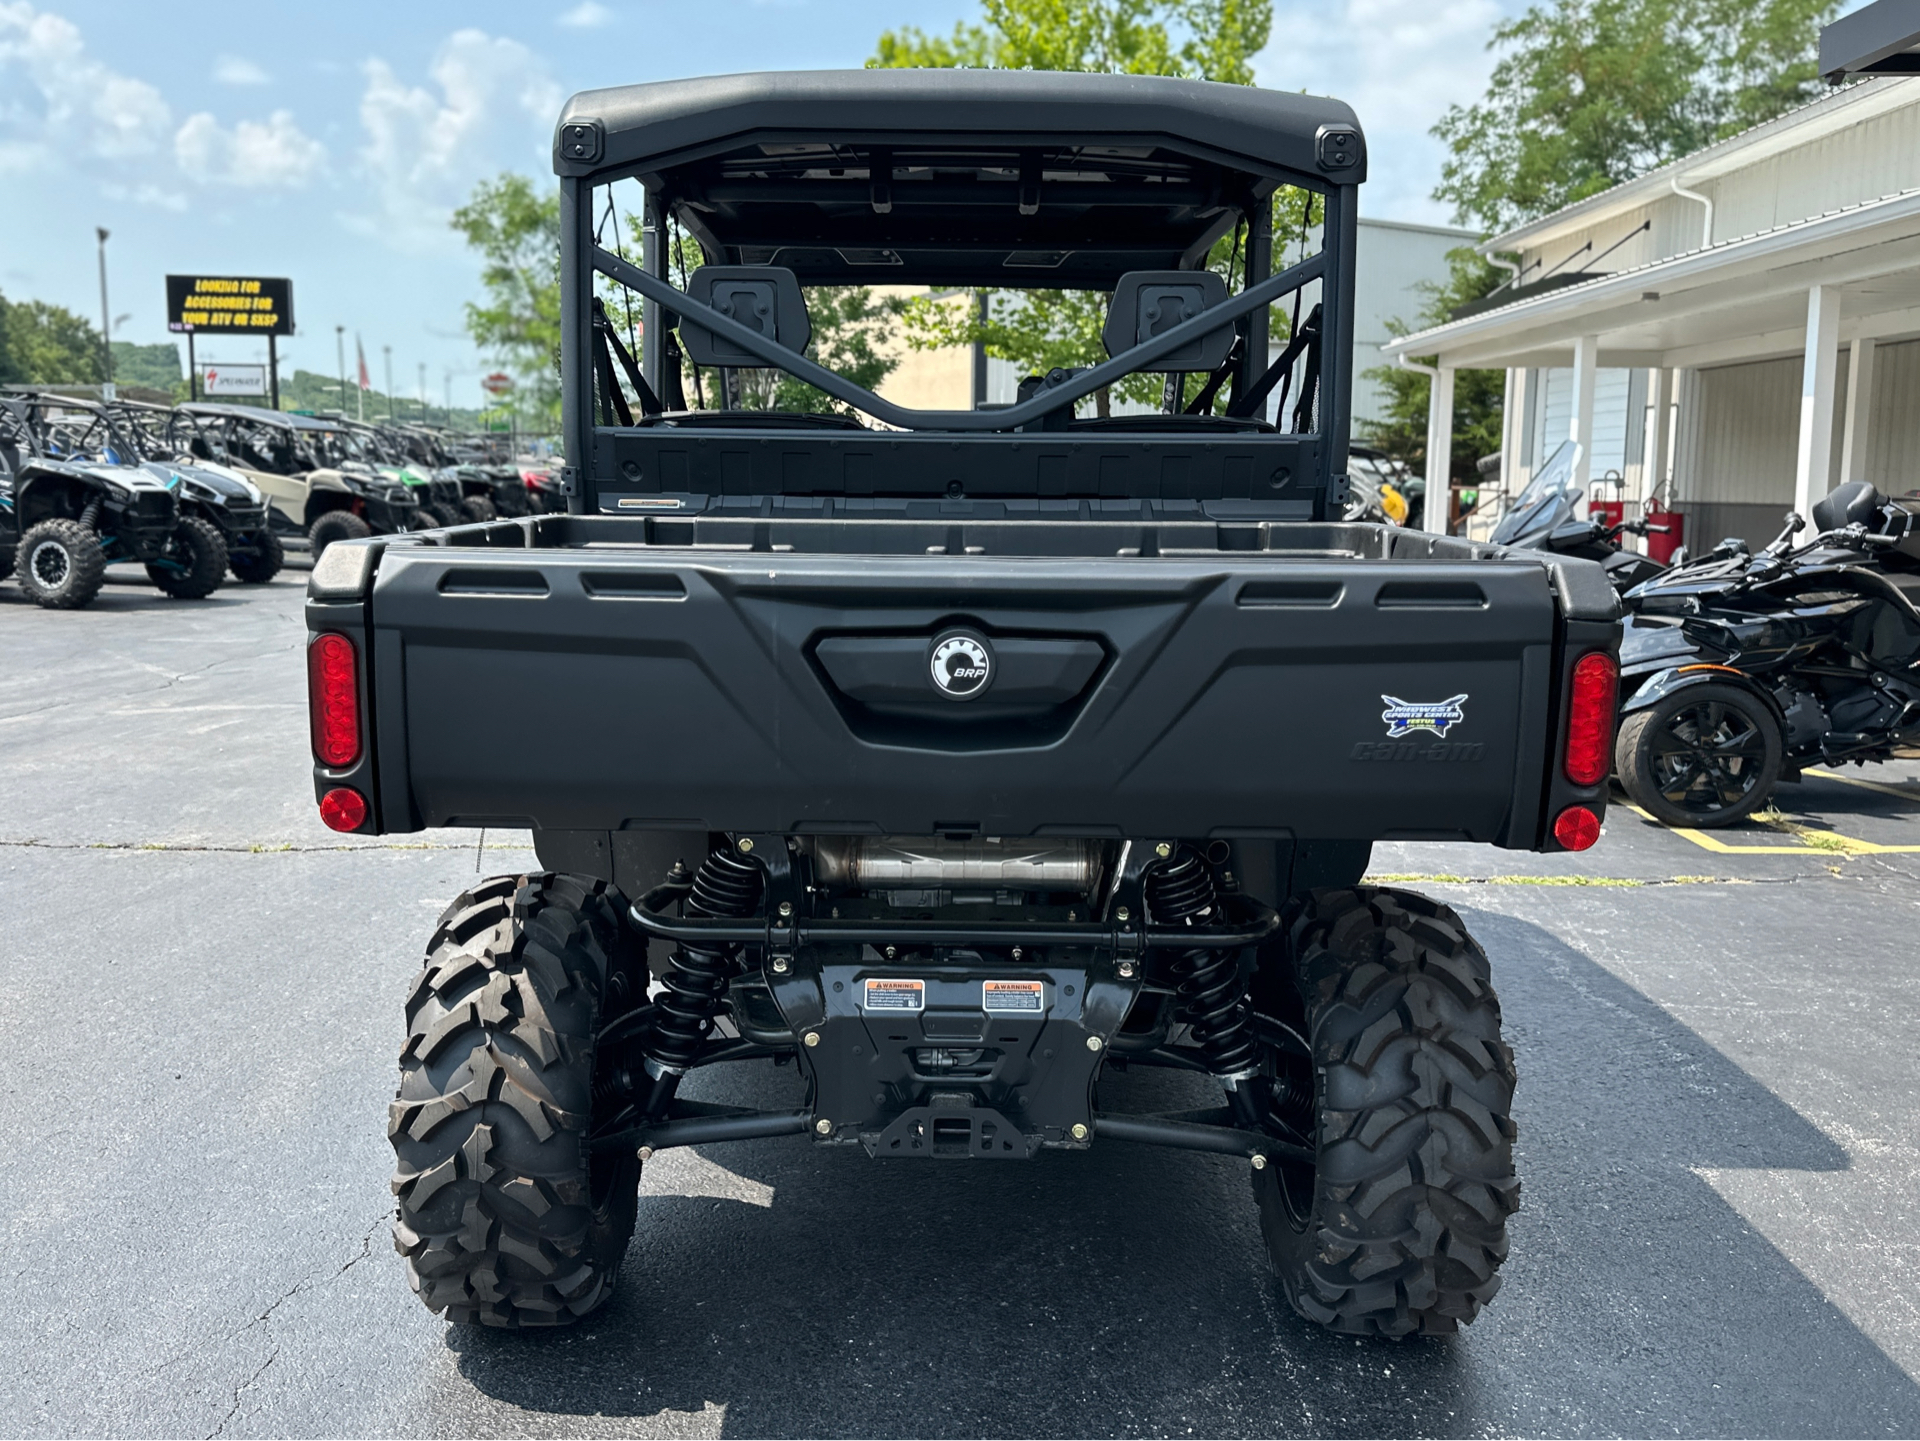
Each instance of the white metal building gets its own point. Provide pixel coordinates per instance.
(1739, 330)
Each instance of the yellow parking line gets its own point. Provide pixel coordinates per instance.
(1905, 793)
(1817, 842)
(1713, 843)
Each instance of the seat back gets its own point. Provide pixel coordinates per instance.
(1148, 302)
(765, 298)
(1855, 503)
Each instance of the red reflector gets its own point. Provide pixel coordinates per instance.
(1577, 829)
(343, 809)
(1596, 690)
(333, 700)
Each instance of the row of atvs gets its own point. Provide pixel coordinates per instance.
(1738, 669)
(195, 491)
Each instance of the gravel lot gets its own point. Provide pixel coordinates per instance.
(200, 995)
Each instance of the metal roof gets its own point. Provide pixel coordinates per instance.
(1800, 126)
(643, 127)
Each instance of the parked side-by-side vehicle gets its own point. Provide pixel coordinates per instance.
(959, 760)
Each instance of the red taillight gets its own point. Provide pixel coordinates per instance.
(1577, 829)
(1596, 689)
(333, 700)
(343, 809)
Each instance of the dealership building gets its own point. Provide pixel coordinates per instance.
(1733, 334)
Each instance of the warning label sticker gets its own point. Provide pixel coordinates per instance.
(887, 995)
(1026, 996)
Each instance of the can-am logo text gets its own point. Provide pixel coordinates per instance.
(961, 665)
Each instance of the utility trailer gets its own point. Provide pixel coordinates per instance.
(958, 758)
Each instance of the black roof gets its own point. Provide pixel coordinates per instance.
(667, 122)
(957, 177)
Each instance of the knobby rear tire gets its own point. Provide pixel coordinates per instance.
(505, 1216)
(200, 552)
(1401, 1224)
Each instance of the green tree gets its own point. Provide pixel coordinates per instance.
(155, 366)
(515, 227)
(49, 345)
(1590, 93)
(1479, 395)
(1197, 39)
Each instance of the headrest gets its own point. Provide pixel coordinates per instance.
(765, 298)
(1855, 503)
(1147, 302)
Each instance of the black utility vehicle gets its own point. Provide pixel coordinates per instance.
(961, 763)
(208, 490)
(81, 500)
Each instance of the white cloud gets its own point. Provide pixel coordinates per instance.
(59, 105)
(491, 106)
(93, 110)
(588, 15)
(1400, 64)
(238, 70)
(253, 154)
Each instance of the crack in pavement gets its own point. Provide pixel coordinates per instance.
(234, 1410)
(169, 679)
(299, 1287)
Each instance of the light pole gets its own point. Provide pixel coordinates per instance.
(106, 321)
(423, 392)
(388, 351)
(340, 340)
(448, 377)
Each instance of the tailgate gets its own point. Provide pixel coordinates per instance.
(1225, 695)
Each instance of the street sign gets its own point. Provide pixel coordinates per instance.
(499, 383)
(233, 379)
(200, 303)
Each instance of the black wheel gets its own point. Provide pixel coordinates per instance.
(440, 513)
(264, 564)
(1383, 1046)
(1705, 756)
(194, 562)
(506, 1217)
(335, 525)
(61, 566)
(477, 508)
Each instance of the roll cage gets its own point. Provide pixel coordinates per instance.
(1014, 180)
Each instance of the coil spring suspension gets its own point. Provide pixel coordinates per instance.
(696, 978)
(90, 513)
(1212, 1000)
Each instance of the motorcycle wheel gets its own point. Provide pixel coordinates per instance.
(1705, 756)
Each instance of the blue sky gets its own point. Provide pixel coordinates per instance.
(328, 143)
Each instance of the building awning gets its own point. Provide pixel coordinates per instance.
(1739, 300)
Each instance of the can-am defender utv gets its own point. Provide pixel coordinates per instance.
(82, 500)
(961, 761)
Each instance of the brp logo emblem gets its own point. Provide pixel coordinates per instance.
(961, 664)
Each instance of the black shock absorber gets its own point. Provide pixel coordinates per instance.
(727, 885)
(90, 513)
(1212, 1000)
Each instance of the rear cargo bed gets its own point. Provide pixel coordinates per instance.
(770, 675)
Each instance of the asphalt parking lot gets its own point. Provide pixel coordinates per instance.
(200, 994)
